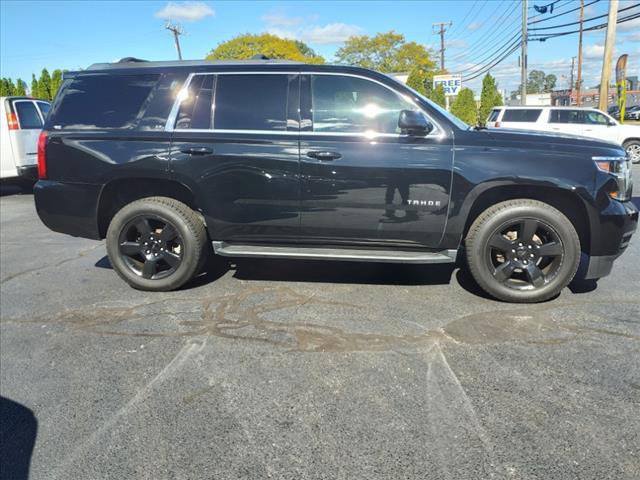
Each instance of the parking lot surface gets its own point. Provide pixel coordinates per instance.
(308, 370)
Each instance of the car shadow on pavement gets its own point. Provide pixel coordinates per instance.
(18, 430)
(7, 189)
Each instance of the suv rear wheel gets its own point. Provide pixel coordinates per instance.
(522, 251)
(632, 147)
(156, 244)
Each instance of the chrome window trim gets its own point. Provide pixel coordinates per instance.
(438, 131)
(35, 105)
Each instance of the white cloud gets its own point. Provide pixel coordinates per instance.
(630, 25)
(456, 43)
(185, 11)
(330, 34)
(593, 51)
(474, 26)
(304, 29)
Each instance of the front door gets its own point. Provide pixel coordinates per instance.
(363, 181)
(235, 144)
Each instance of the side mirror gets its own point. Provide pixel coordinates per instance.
(414, 123)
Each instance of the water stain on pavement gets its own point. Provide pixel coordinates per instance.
(249, 315)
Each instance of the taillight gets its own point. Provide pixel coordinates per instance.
(42, 155)
(12, 121)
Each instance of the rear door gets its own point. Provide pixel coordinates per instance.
(565, 120)
(235, 143)
(24, 140)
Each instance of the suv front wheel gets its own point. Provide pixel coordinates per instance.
(522, 251)
(156, 243)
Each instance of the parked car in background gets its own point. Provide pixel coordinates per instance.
(319, 162)
(586, 122)
(632, 113)
(21, 120)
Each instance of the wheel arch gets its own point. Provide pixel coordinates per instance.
(120, 192)
(566, 201)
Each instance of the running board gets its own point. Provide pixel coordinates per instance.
(344, 254)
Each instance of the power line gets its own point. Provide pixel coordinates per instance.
(490, 35)
(561, 14)
(457, 27)
(541, 37)
(585, 20)
(495, 63)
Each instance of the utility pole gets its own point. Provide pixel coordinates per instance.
(579, 81)
(608, 54)
(573, 62)
(177, 31)
(442, 29)
(523, 55)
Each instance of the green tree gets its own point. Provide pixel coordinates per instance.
(438, 95)
(387, 52)
(44, 85)
(489, 98)
(244, 47)
(35, 87)
(56, 81)
(537, 82)
(21, 88)
(417, 79)
(464, 107)
(7, 88)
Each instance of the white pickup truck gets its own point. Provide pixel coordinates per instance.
(21, 119)
(587, 122)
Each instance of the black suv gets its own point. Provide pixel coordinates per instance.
(276, 159)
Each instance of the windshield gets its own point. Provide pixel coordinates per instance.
(452, 118)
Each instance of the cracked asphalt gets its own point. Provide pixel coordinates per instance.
(307, 370)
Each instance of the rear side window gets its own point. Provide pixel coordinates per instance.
(565, 116)
(196, 109)
(103, 101)
(28, 115)
(493, 116)
(44, 108)
(251, 102)
(521, 115)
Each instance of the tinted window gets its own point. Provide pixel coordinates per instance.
(28, 115)
(161, 101)
(594, 118)
(565, 116)
(195, 110)
(103, 101)
(521, 115)
(251, 102)
(493, 116)
(44, 108)
(354, 105)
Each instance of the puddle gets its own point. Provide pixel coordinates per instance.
(248, 316)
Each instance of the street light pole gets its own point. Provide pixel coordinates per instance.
(523, 56)
(579, 81)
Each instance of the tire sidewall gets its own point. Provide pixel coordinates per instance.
(190, 255)
(557, 221)
(628, 144)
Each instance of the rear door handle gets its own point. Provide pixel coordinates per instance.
(326, 156)
(197, 150)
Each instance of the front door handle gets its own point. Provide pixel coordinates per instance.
(197, 150)
(326, 156)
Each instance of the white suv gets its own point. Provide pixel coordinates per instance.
(587, 122)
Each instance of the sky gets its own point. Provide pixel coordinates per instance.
(74, 34)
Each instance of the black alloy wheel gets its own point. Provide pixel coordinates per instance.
(151, 247)
(525, 254)
(522, 250)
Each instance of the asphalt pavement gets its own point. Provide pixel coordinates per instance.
(307, 370)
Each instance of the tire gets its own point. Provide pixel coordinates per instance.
(156, 244)
(522, 251)
(632, 147)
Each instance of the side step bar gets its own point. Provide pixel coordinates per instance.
(345, 254)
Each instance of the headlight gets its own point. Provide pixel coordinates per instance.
(620, 169)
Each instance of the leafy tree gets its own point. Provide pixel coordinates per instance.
(244, 47)
(387, 52)
(438, 95)
(417, 79)
(464, 107)
(538, 82)
(44, 85)
(35, 87)
(56, 81)
(489, 98)
(7, 88)
(21, 88)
